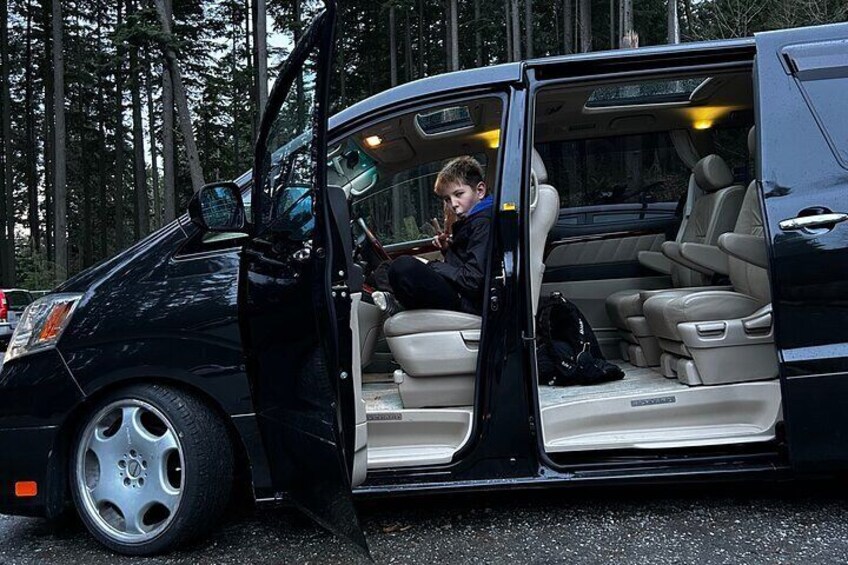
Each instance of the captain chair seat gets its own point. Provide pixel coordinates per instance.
(434, 342)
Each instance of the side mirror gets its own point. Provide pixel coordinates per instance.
(218, 207)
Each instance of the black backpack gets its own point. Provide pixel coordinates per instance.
(567, 350)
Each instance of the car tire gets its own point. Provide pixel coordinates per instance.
(151, 467)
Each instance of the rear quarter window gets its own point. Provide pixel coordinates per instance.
(18, 300)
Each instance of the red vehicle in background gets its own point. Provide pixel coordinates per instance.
(13, 301)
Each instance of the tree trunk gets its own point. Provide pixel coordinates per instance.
(528, 27)
(627, 34)
(84, 168)
(29, 152)
(516, 34)
(103, 212)
(392, 47)
(236, 102)
(169, 169)
(478, 35)
(48, 131)
(142, 204)
(102, 174)
(120, 230)
(454, 35)
(612, 23)
(154, 165)
(567, 26)
(181, 99)
(585, 25)
(260, 45)
(508, 28)
(61, 241)
(421, 48)
(7, 205)
(299, 92)
(673, 22)
(407, 46)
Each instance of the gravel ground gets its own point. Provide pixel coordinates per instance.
(741, 524)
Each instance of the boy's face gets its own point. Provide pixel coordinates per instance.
(461, 198)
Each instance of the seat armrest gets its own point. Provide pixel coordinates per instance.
(655, 261)
(671, 249)
(749, 248)
(708, 256)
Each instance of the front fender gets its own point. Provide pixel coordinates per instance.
(214, 367)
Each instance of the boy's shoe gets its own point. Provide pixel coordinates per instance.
(386, 302)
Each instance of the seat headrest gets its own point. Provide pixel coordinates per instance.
(712, 173)
(752, 142)
(538, 167)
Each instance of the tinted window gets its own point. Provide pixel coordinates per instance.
(17, 300)
(633, 169)
(822, 72)
(732, 145)
(827, 98)
(399, 208)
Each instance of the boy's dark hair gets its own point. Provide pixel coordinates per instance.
(461, 170)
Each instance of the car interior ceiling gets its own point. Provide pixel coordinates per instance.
(581, 418)
(403, 147)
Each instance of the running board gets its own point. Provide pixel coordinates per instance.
(682, 417)
(413, 437)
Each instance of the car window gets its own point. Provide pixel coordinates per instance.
(17, 299)
(822, 73)
(731, 144)
(620, 177)
(399, 208)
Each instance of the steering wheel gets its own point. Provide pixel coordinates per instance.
(375, 243)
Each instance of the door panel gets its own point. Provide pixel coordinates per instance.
(799, 73)
(295, 286)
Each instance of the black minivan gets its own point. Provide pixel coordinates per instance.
(239, 347)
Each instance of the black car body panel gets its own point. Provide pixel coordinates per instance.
(809, 267)
(154, 313)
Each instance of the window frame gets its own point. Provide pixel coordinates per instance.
(433, 102)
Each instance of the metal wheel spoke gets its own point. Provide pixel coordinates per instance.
(166, 443)
(158, 489)
(108, 489)
(137, 434)
(107, 449)
(133, 507)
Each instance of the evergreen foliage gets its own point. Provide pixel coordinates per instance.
(112, 49)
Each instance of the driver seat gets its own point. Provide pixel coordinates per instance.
(437, 349)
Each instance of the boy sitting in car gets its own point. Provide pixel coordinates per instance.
(457, 282)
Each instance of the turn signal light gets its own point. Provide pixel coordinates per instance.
(26, 489)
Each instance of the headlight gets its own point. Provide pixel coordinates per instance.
(41, 325)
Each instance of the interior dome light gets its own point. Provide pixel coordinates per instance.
(373, 140)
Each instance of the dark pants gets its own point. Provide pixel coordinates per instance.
(418, 287)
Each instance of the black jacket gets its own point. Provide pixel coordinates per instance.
(465, 260)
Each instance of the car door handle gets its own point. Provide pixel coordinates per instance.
(808, 222)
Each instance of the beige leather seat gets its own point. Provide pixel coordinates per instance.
(713, 214)
(437, 349)
(721, 336)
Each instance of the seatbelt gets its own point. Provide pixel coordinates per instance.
(693, 192)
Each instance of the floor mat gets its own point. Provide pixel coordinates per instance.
(381, 397)
(636, 380)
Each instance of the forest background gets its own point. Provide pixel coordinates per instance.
(115, 111)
